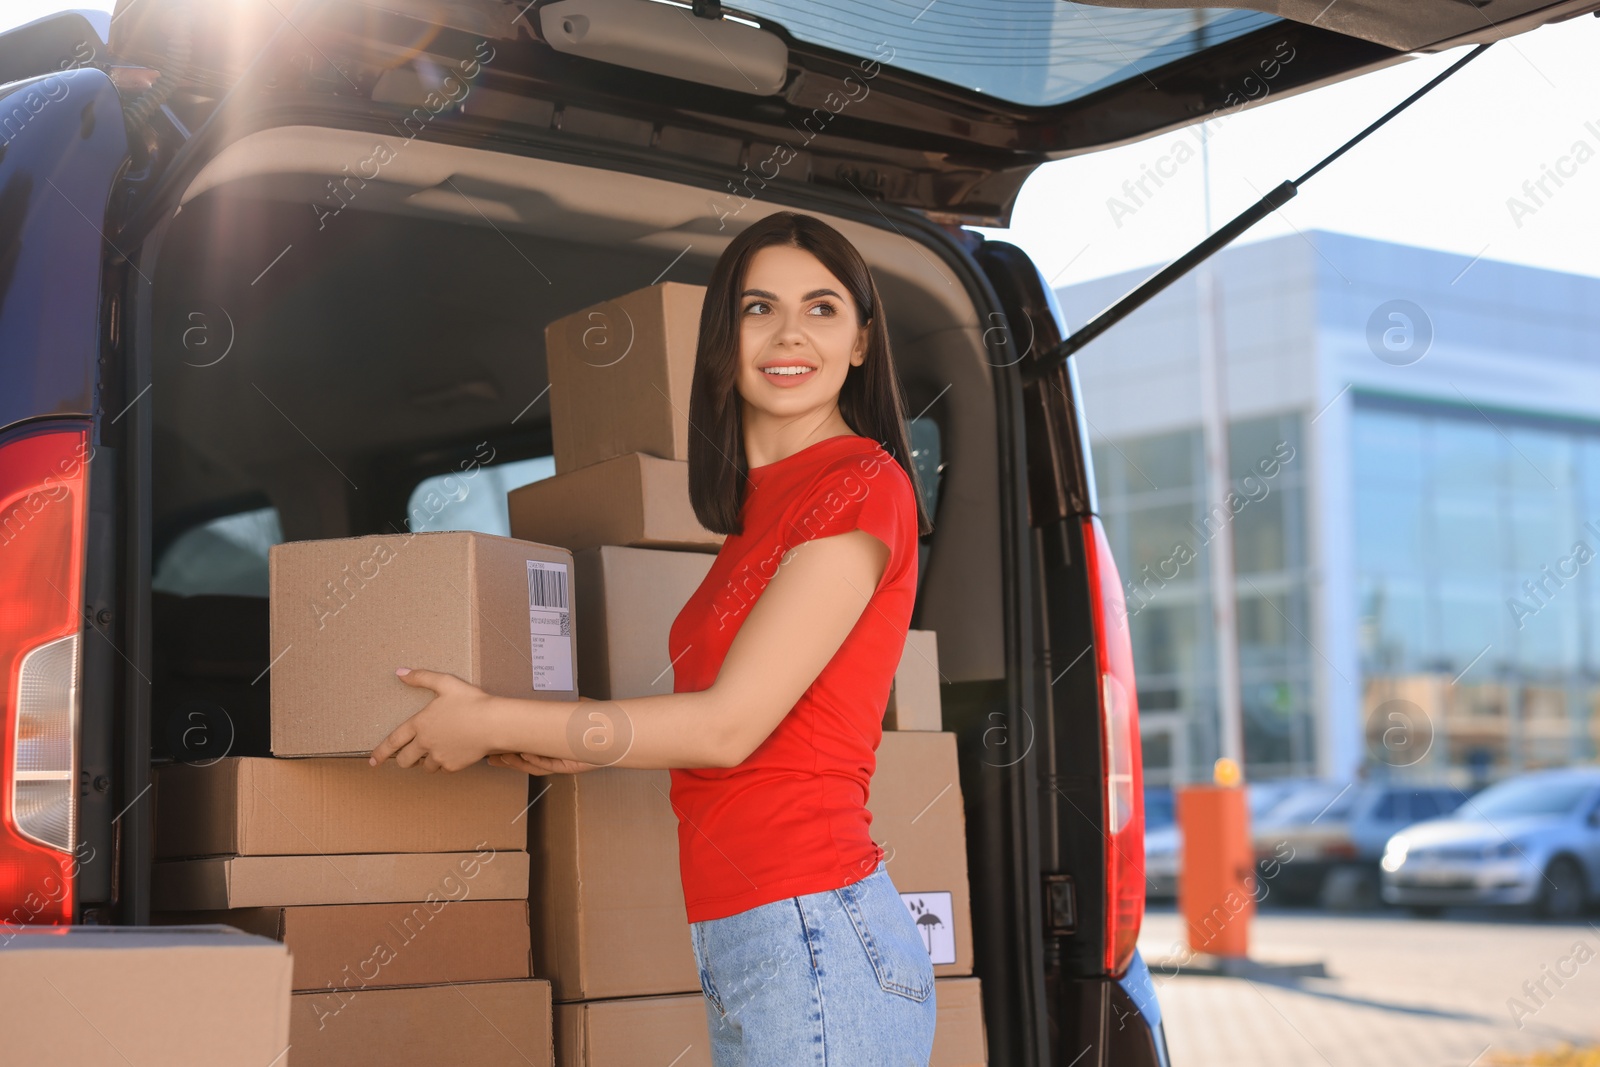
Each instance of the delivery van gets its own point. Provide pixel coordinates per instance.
(270, 269)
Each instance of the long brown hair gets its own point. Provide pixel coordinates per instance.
(870, 400)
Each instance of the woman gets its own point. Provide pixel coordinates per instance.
(782, 663)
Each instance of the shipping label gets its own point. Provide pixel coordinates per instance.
(550, 625)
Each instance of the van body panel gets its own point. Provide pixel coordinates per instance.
(64, 147)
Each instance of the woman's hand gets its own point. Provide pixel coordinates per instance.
(532, 763)
(451, 733)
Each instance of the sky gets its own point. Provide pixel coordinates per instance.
(1438, 175)
(1460, 170)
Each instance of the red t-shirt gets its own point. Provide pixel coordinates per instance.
(792, 818)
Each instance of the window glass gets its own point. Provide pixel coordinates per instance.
(1159, 699)
(1467, 456)
(1389, 524)
(1157, 750)
(473, 498)
(1541, 460)
(223, 555)
(1264, 631)
(1590, 458)
(1264, 797)
(1162, 539)
(1545, 630)
(1032, 52)
(1388, 807)
(1315, 801)
(1471, 615)
(1277, 725)
(1259, 537)
(1542, 528)
(927, 456)
(1262, 450)
(1163, 461)
(1527, 796)
(1163, 636)
(1424, 805)
(1340, 807)
(1468, 530)
(1388, 448)
(1392, 622)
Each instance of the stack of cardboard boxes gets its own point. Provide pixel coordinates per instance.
(525, 920)
(401, 895)
(605, 893)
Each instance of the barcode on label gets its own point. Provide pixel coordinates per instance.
(547, 584)
(549, 626)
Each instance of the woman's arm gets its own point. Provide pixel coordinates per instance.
(796, 625)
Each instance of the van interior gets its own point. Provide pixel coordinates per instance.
(325, 334)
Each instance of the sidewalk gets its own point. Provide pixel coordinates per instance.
(1399, 991)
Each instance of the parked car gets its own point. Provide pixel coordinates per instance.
(1530, 841)
(268, 268)
(1160, 807)
(1323, 843)
(1266, 797)
(1163, 845)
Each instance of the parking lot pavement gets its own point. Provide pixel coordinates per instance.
(1399, 990)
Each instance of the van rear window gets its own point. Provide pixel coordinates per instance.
(222, 555)
(474, 499)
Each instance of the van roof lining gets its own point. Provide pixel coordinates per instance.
(562, 201)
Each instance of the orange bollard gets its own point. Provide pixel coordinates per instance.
(1216, 879)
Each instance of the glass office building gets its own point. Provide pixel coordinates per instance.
(1477, 600)
(1414, 454)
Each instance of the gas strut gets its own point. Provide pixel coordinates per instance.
(1274, 199)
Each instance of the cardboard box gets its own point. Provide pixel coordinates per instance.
(919, 819)
(914, 697)
(960, 1038)
(494, 611)
(607, 896)
(274, 807)
(184, 996)
(674, 1029)
(620, 373)
(628, 598)
(634, 499)
(367, 878)
(485, 1024)
(635, 1030)
(350, 946)
(609, 914)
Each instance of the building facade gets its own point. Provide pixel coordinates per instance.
(1414, 508)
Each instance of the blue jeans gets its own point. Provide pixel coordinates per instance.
(832, 979)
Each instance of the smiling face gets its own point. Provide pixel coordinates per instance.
(798, 335)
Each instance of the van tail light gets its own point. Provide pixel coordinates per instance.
(1119, 732)
(43, 511)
